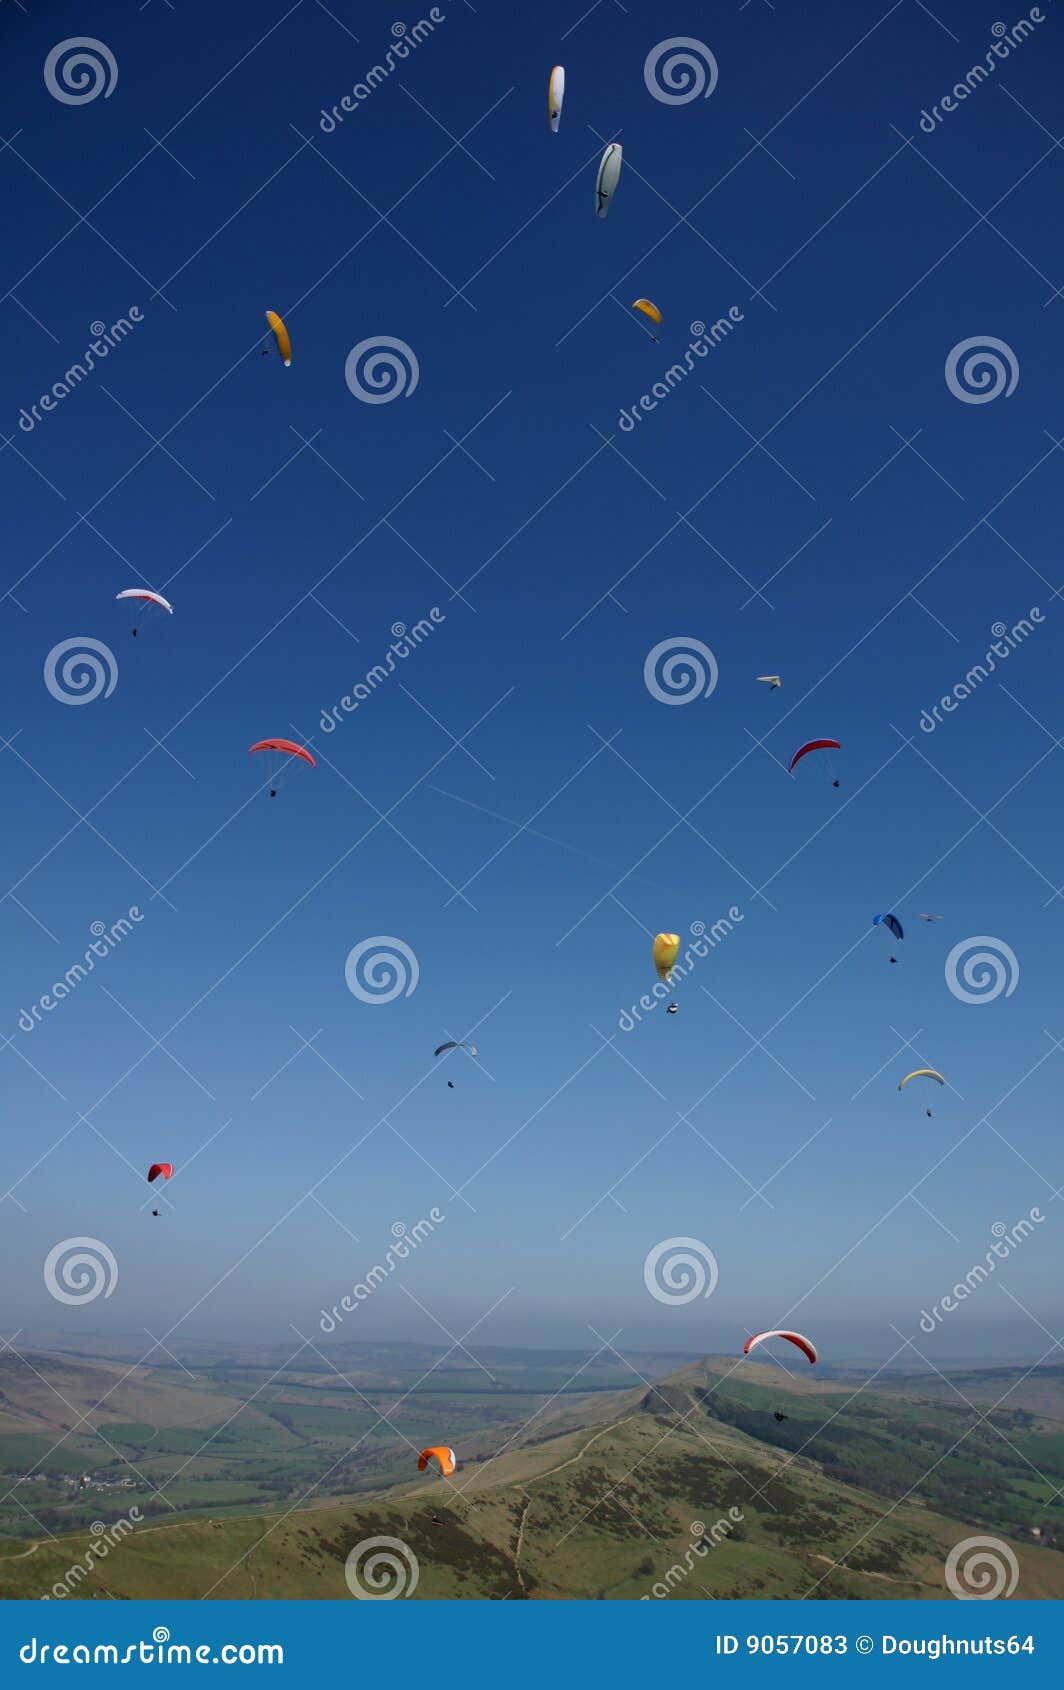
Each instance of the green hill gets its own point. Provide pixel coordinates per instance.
(688, 1489)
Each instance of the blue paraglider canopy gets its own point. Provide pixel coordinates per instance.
(891, 922)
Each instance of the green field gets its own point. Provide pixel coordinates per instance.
(250, 1482)
(247, 1435)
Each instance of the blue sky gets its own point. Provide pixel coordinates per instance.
(768, 507)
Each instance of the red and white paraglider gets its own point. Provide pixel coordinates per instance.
(141, 602)
(804, 1344)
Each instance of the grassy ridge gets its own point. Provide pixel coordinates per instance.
(612, 1508)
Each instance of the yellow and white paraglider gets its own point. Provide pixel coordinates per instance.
(280, 335)
(649, 309)
(922, 1073)
(666, 950)
(556, 97)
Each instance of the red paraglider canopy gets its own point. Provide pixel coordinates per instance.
(814, 745)
(163, 1169)
(288, 745)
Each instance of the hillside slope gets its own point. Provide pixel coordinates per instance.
(48, 1392)
(616, 1509)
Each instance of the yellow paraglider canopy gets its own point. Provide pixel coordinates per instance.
(648, 308)
(666, 950)
(930, 1073)
(280, 335)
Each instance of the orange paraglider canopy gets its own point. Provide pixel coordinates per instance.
(443, 1456)
(288, 745)
(280, 335)
(649, 309)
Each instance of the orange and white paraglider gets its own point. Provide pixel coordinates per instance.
(444, 1457)
(804, 1344)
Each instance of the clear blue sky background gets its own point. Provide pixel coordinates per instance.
(858, 262)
